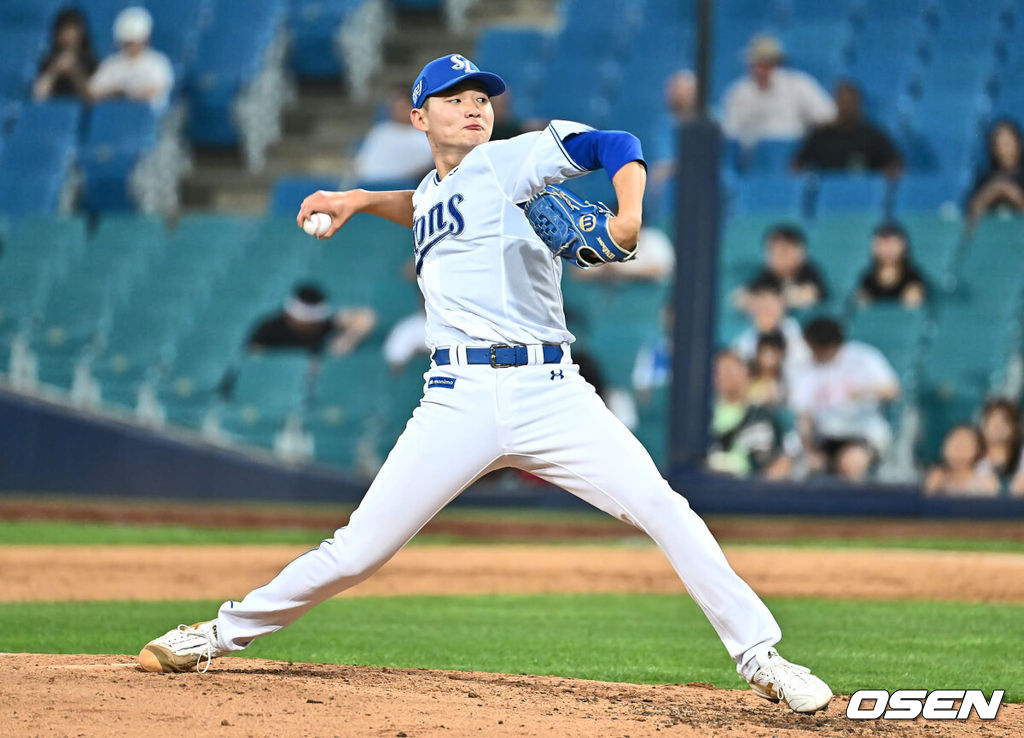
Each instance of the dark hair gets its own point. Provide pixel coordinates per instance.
(1012, 126)
(893, 229)
(66, 17)
(1006, 406)
(766, 282)
(851, 85)
(310, 293)
(823, 332)
(789, 232)
(772, 339)
(979, 440)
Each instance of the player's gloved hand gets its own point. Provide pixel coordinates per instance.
(574, 229)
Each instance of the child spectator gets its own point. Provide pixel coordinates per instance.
(892, 275)
(135, 71)
(960, 474)
(786, 260)
(767, 383)
(767, 311)
(1001, 431)
(838, 396)
(1000, 186)
(745, 439)
(67, 66)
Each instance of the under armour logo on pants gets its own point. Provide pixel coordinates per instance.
(557, 375)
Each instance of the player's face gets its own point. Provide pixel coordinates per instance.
(461, 117)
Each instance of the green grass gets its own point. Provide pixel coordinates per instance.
(635, 638)
(58, 532)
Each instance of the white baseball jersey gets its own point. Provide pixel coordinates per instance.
(485, 275)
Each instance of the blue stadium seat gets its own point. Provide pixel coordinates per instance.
(268, 388)
(929, 192)
(843, 194)
(119, 132)
(37, 156)
(289, 192)
(314, 25)
(758, 193)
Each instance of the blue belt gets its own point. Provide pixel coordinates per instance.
(500, 355)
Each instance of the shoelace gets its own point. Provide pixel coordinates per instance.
(208, 649)
(782, 668)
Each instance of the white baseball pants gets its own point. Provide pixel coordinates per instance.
(546, 419)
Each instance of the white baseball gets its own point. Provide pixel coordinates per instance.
(317, 224)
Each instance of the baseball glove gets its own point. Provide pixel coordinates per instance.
(574, 229)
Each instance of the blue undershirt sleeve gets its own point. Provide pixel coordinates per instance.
(608, 150)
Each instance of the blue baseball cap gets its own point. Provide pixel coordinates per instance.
(448, 71)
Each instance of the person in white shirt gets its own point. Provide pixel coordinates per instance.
(392, 150)
(767, 309)
(406, 338)
(838, 396)
(773, 102)
(135, 71)
(502, 389)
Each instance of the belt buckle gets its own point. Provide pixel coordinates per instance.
(494, 361)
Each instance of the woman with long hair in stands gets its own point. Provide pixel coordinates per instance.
(1001, 185)
(67, 66)
(1001, 430)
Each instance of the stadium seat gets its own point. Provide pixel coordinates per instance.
(929, 193)
(37, 157)
(841, 194)
(188, 388)
(895, 331)
(780, 193)
(314, 25)
(268, 388)
(289, 192)
(119, 133)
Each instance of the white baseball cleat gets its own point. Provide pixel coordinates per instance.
(777, 680)
(185, 648)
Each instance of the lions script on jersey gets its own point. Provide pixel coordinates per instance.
(502, 391)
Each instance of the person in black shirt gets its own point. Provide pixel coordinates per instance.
(68, 65)
(786, 260)
(849, 142)
(892, 275)
(1001, 184)
(309, 323)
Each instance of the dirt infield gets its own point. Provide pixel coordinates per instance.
(224, 572)
(111, 696)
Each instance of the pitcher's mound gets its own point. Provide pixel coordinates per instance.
(111, 695)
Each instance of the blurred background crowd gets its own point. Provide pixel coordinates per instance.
(871, 271)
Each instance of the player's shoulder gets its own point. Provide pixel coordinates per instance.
(557, 129)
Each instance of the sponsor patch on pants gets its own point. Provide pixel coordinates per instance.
(448, 382)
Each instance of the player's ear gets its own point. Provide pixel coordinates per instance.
(418, 118)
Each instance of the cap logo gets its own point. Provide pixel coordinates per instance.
(461, 63)
(417, 90)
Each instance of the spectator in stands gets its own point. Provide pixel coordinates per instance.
(680, 107)
(67, 66)
(745, 438)
(849, 142)
(1001, 432)
(135, 71)
(652, 368)
(406, 339)
(892, 275)
(786, 260)
(837, 397)
(394, 151)
(767, 309)
(309, 323)
(961, 474)
(767, 380)
(773, 102)
(655, 262)
(1000, 186)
